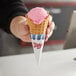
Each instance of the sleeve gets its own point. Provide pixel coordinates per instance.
(11, 9)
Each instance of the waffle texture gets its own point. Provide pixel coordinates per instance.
(37, 28)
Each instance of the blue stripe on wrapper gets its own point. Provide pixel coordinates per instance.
(38, 37)
(43, 36)
(33, 36)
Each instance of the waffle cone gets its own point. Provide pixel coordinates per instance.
(37, 29)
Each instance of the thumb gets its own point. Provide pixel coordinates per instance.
(27, 29)
(24, 28)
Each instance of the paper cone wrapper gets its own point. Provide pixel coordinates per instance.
(38, 35)
(38, 43)
(38, 28)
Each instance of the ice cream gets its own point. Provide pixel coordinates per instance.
(37, 19)
(37, 15)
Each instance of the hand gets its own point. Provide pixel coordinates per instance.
(19, 28)
(50, 28)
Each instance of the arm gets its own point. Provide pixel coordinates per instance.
(9, 10)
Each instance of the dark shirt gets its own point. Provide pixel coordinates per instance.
(8, 10)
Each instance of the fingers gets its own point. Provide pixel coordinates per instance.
(50, 19)
(49, 30)
(23, 28)
(48, 35)
(51, 25)
(25, 34)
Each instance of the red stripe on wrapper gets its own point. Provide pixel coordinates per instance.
(50, 42)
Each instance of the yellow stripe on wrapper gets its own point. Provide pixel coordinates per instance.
(37, 29)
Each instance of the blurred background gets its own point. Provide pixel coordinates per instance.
(61, 10)
(26, 1)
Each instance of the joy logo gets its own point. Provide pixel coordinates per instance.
(36, 45)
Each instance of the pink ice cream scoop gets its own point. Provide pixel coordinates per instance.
(37, 15)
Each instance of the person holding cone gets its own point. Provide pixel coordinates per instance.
(13, 20)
